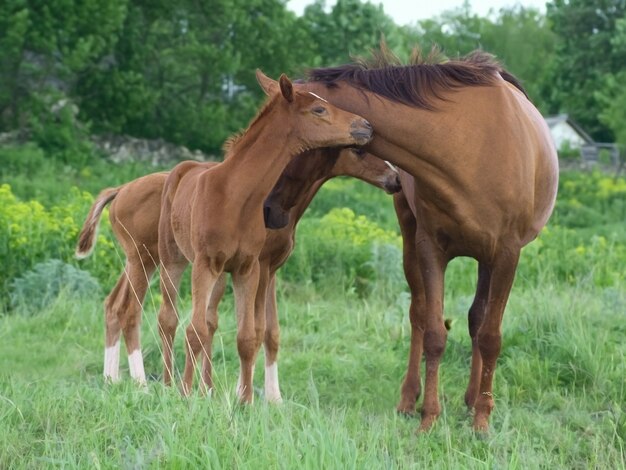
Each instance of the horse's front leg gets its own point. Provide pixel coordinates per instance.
(200, 331)
(249, 328)
(489, 336)
(211, 319)
(272, 342)
(435, 333)
(411, 386)
(475, 319)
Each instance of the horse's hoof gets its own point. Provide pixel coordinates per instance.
(406, 412)
(427, 423)
(481, 425)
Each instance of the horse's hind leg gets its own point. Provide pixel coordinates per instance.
(113, 330)
(139, 273)
(489, 336)
(475, 319)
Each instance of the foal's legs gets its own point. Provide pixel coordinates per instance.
(272, 341)
(489, 336)
(475, 319)
(171, 273)
(211, 320)
(249, 328)
(123, 308)
(112, 304)
(204, 275)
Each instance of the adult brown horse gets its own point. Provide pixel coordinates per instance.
(134, 215)
(213, 218)
(481, 172)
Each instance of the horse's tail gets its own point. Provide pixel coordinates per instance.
(87, 236)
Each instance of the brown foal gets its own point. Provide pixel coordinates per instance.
(214, 219)
(134, 215)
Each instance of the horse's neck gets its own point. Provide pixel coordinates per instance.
(258, 159)
(421, 131)
(307, 193)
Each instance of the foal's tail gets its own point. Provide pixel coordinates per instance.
(87, 237)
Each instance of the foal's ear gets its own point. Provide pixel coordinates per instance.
(286, 88)
(268, 85)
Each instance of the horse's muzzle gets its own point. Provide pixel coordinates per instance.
(392, 185)
(361, 131)
(275, 219)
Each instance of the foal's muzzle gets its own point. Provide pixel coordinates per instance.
(275, 218)
(361, 131)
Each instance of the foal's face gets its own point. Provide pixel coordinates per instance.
(312, 120)
(320, 124)
(295, 181)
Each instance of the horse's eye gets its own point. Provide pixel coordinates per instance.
(319, 110)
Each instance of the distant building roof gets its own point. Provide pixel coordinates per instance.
(564, 129)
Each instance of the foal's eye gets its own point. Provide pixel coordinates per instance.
(359, 152)
(319, 110)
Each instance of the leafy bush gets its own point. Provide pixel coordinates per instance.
(34, 290)
(589, 199)
(30, 234)
(338, 249)
(33, 174)
(567, 152)
(57, 131)
(561, 254)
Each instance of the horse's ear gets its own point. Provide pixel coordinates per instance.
(268, 85)
(286, 88)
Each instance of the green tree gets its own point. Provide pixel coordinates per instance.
(612, 96)
(585, 56)
(520, 38)
(351, 28)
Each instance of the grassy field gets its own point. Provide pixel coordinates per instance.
(560, 389)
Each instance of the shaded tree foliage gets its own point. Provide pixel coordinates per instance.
(520, 37)
(585, 56)
(184, 71)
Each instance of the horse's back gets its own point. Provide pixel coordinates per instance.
(134, 214)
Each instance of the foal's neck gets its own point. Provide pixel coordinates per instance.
(258, 158)
(307, 192)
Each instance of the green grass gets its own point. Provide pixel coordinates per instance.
(559, 391)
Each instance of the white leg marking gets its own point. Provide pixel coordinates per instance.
(272, 390)
(112, 362)
(135, 364)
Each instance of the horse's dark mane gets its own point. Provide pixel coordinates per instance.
(417, 83)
